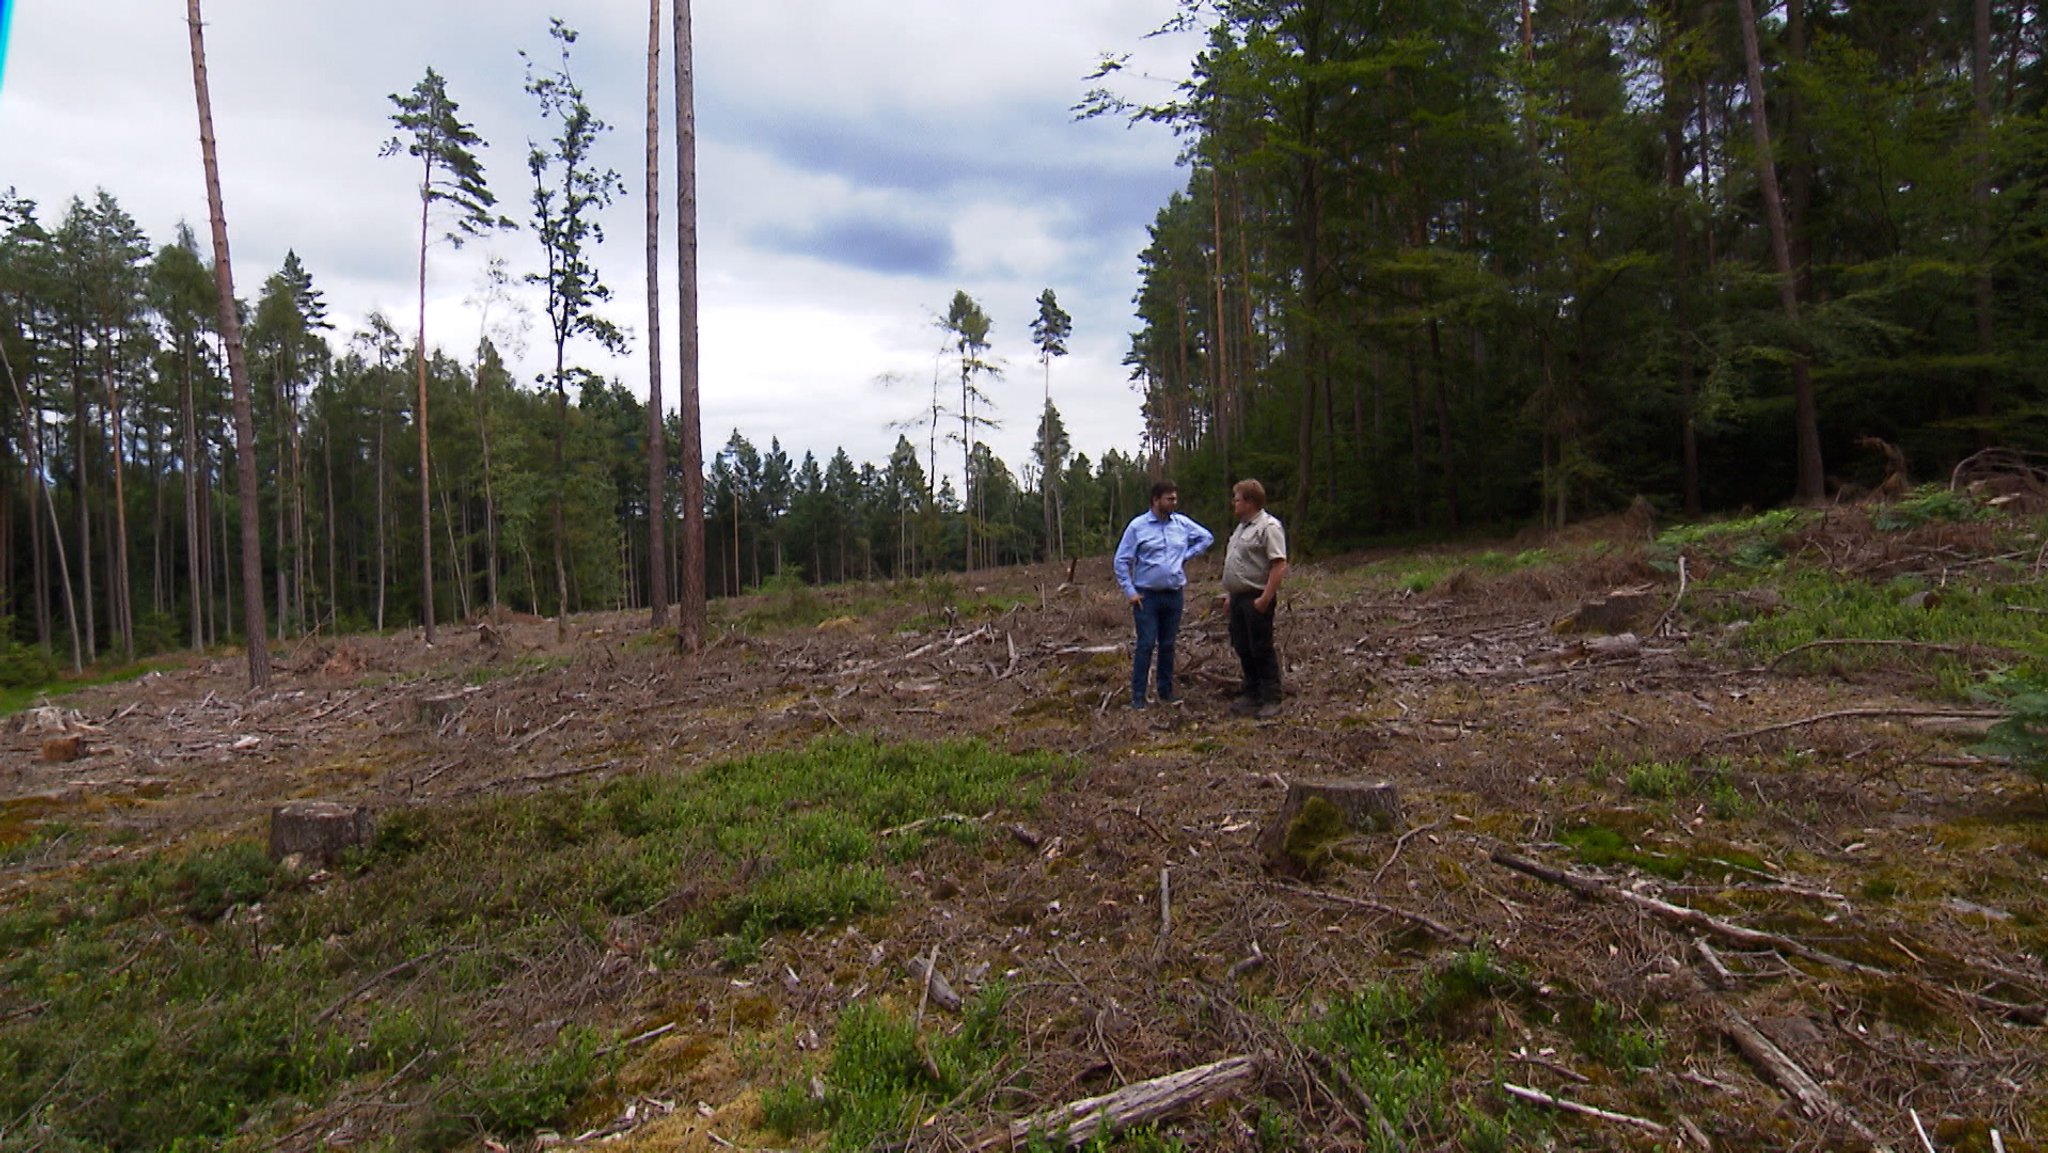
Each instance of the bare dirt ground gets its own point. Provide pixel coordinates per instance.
(1897, 909)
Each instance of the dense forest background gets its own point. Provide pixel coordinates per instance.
(1442, 263)
(1437, 265)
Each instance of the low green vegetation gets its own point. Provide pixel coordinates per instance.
(885, 1072)
(206, 996)
(1792, 603)
(28, 674)
(1420, 573)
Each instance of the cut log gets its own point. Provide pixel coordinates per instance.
(318, 830)
(1317, 814)
(1078, 1123)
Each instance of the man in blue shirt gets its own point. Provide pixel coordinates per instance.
(1150, 562)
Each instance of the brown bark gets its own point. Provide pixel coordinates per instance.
(657, 449)
(690, 633)
(1811, 484)
(32, 438)
(1980, 199)
(238, 370)
(420, 365)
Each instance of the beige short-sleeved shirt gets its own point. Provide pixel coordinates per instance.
(1254, 546)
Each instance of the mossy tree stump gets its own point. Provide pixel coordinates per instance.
(1315, 815)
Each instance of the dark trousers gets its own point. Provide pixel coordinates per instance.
(1251, 634)
(1157, 615)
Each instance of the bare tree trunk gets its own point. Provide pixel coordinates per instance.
(82, 434)
(420, 362)
(381, 553)
(455, 552)
(1980, 200)
(195, 535)
(483, 425)
(31, 435)
(32, 429)
(1443, 421)
(333, 579)
(302, 561)
(657, 450)
(690, 635)
(277, 533)
(1811, 484)
(122, 584)
(238, 372)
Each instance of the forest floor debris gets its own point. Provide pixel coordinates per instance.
(1873, 890)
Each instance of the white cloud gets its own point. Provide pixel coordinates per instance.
(857, 165)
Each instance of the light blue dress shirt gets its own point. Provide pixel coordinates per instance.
(1153, 551)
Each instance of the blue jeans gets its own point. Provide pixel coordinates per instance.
(1157, 615)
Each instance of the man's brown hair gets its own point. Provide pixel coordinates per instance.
(1251, 490)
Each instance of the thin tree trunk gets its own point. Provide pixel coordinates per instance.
(277, 518)
(483, 424)
(381, 555)
(420, 361)
(1443, 421)
(333, 580)
(120, 583)
(81, 434)
(657, 451)
(690, 634)
(32, 427)
(455, 552)
(1980, 200)
(31, 436)
(238, 371)
(1811, 485)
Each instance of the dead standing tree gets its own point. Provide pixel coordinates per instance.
(238, 372)
(690, 633)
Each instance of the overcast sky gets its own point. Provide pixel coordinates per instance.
(857, 163)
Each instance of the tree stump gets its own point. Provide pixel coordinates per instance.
(318, 830)
(1316, 814)
(1619, 611)
(434, 711)
(58, 750)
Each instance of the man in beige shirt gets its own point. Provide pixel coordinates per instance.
(1253, 568)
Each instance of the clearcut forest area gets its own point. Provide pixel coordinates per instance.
(1727, 836)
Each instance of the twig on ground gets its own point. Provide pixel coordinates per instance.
(1541, 1098)
(1437, 927)
(1857, 642)
(927, 822)
(1398, 845)
(1853, 714)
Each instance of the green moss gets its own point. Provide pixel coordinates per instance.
(1312, 835)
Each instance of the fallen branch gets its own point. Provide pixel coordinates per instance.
(1657, 630)
(1814, 1101)
(1554, 1102)
(1694, 919)
(403, 966)
(1852, 714)
(649, 1035)
(1922, 646)
(927, 822)
(1141, 1103)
